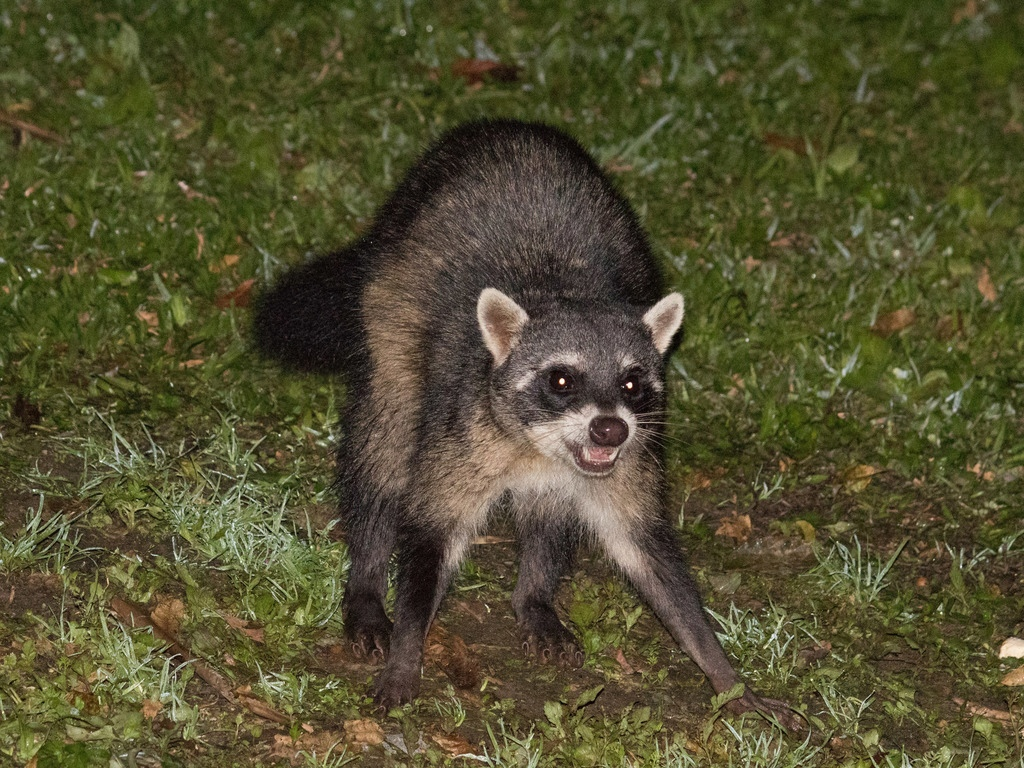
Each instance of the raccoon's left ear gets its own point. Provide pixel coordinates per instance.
(501, 321)
(664, 319)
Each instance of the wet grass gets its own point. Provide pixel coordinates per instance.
(838, 192)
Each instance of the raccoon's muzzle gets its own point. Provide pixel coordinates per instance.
(598, 456)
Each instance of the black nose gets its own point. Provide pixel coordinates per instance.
(608, 431)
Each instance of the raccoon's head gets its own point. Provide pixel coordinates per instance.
(583, 384)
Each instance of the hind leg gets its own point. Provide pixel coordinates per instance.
(428, 556)
(371, 540)
(370, 515)
(547, 546)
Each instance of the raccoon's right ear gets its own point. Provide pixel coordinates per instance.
(501, 321)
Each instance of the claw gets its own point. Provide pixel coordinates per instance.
(772, 709)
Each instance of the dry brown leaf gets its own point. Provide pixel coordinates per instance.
(295, 751)
(256, 634)
(151, 708)
(966, 12)
(858, 477)
(475, 71)
(168, 614)
(363, 733)
(982, 474)
(233, 621)
(225, 263)
(151, 319)
(455, 745)
(239, 297)
(894, 322)
(737, 527)
(794, 144)
(985, 286)
(1014, 678)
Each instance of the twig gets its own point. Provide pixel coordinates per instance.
(135, 616)
(7, 118)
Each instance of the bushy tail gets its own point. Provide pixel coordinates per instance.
(309, 320)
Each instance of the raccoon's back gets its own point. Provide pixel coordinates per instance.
(521, 207)
(516, 206)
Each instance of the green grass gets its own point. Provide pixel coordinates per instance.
(838, 191)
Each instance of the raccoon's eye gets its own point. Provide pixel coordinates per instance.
(631, 386)
(561, 382)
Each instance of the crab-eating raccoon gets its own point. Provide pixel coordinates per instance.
(502, 330)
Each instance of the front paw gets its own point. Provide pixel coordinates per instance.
(369, 630)
(550, 642)
(395, 686)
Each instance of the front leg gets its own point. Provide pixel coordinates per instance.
(427, 558)
(654, 564)
(547, 541)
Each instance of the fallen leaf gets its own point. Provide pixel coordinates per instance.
(233, 621)
(982, 474)
(151, 319)
(623, 664)
(949, 326)
(297, 751)
(965, 12)
(363, 733)
(168, 614)
(228, 261)
(1014, 677)
(807, 532)
(858, 477)
(256, 634)
(239, 297)
(986, 287)
(794, 144)
(455, 745)
(894, 322)
(151, 708)
(135, 616)
(737, 527)
(474, 71)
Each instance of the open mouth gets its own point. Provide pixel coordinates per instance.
(595, 459)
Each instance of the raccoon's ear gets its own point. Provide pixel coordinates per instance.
(501, 321)
(663, 320)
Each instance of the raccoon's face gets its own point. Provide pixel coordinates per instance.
(583, 386)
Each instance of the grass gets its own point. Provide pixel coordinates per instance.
(835, 188)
